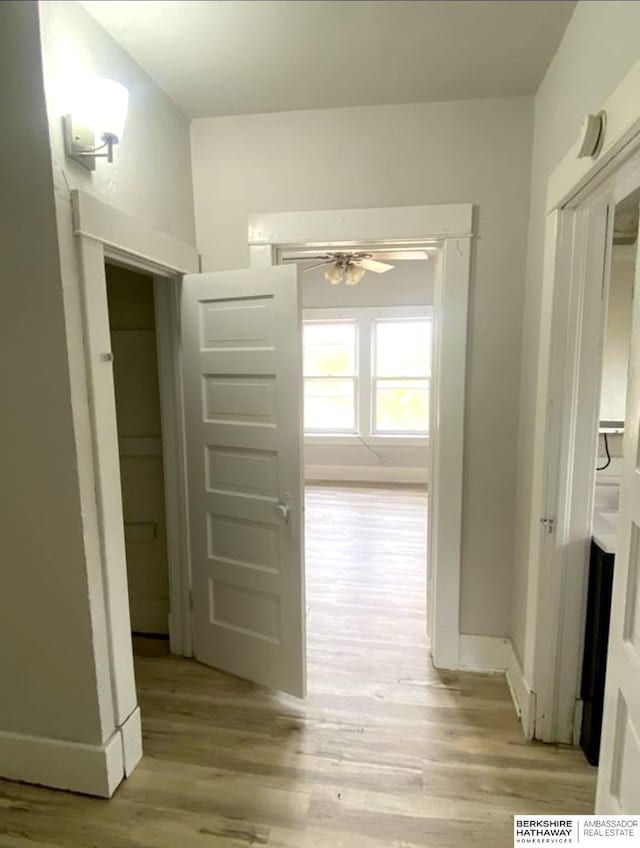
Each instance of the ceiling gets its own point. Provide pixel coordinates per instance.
(232, 57)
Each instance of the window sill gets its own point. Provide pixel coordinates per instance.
(350, 439)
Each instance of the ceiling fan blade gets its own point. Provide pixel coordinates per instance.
(309, 258)
(372, 265)
(400, 254)
(315, 267)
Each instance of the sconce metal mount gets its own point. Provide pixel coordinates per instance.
(80, 144)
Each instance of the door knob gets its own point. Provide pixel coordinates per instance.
(284, 511)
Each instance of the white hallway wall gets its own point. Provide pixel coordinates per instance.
(598, 48)
(475, 151)
(155, 141)
(53, 655)
(48, 669)
(408, 284)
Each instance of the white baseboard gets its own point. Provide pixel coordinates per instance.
(483, 653)
(90, 769)
(76, 766)
(524, 699)
(489, 653)
(365, 474)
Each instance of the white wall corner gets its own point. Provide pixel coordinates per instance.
(445, 648)
(78, 767)
(131, 735)
(483, 653)
(365, 474)
(493, 654)
(524, 699)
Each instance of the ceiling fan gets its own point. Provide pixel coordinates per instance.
(350, 266)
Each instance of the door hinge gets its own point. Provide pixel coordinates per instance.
(549, 524)
(191, 599)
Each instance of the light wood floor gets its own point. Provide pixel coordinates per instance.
(384, 752)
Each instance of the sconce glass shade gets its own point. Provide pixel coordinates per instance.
(110, 102)
(353, 275)
(335, 274)
(96, 118)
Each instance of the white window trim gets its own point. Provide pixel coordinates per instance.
(375, 440)
(365, 317)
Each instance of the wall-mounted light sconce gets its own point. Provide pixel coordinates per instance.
(96, 121)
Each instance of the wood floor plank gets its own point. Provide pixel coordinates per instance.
(386, 752)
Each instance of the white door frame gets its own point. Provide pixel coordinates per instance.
(104, 233)
(450, 227)
(567, 391)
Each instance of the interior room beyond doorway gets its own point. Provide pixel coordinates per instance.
(135, 369)
(367, 331)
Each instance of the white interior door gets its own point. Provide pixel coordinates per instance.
(242, 354)
(618, 783)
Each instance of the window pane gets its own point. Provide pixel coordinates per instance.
(403, 348)
(329, 405)
(402, 405)
(329, 349)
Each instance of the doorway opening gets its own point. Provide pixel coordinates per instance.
(229, 357)
(366, 373)
(134, 346)
(449, 228)
(616, 342)
(589, 553)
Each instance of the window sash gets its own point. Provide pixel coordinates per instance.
(422, 319)
(365, 320)
(332, 322)
(334, 429)
(379, 431)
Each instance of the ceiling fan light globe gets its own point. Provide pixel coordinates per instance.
(335, 274)
(354, 274)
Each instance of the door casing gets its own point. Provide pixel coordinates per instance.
(104, 233)
(451, 228)
(571, 329)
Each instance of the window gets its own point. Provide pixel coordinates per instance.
(330, 376)
(367, 371)
(400, 374)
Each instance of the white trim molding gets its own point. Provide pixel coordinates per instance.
(495, 655)
(90, 769)
(449, 229)
(375, 440)
(385, 225)
(114, 229)
(483, 653)
(131, 737)
(524, 699)
(365, 474)
(103, 232)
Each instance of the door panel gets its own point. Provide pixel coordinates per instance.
(618, 785)
(243, 406)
